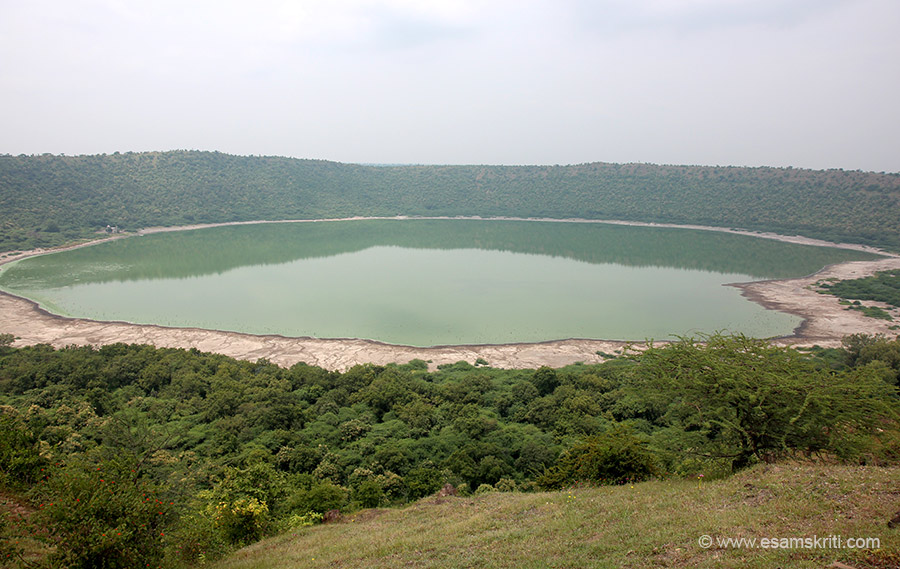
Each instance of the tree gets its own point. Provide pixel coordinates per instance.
(862, 350)
(545, 380)
(743, 399)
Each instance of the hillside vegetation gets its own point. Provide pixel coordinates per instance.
(650, 524)
(47, 200)
(129, 455)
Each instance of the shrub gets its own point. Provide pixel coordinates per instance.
(368, 494)
(319, 497)
(20, 463)
(195, 540)
(295, 521)
(423, 481)
(745, 400)
(613, 458)
(103, 516)
(392, 486)
(242, 521)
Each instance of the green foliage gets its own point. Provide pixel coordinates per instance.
(295, 521)
(245, 449)
(241, 521)
(239, 504)
(883, 286)
(545, 380)
(49, 200)
(20, 461)
(862, 350)
(616, 457)
(741, 399)
(368, 494)
(423, 481)
(873, 312)
(260, 482)
(318, 496)
(103, 515)
(195, 539)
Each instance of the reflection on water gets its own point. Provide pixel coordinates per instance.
(426, 282)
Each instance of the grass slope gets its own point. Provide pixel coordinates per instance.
(652, 524)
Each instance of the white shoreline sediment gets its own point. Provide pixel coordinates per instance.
(826, 322)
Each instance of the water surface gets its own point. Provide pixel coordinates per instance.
(426, 282)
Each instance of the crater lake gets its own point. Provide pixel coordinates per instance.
(426, 282)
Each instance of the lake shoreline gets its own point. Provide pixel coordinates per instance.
(825, 322)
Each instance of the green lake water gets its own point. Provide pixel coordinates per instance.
(426, 282)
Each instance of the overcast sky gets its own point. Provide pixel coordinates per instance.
(804, 83)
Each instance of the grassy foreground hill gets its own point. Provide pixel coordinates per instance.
(650, 524)
(48, 200)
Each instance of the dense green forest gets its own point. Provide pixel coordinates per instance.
(48, 200)
(134, 456)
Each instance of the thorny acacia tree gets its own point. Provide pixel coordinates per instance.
(745, 399)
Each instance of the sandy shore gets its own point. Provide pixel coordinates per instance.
(825, 323)
(32, 325)
(825, 320)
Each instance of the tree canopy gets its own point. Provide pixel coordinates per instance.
(131, 453)
(47, 200)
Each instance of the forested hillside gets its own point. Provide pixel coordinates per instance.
(47, 200)
(130, 456)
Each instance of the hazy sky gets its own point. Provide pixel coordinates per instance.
(807, 83)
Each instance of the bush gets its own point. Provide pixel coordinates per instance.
(20, 463)
(613, 458)
(242, 521)
(295, 521)
(368, 494)
(423, 481)
(195, 540)
(743, 399)
(319, 497)
(103, 516)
